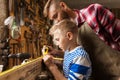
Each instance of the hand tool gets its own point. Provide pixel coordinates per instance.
(45, 52)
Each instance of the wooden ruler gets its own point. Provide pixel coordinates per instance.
(27, 71)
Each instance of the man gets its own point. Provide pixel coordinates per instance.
(104, 24)
(100, 19)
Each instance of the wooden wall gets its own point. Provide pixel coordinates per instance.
(34, 32)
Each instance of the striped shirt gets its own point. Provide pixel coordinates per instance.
(77, 65)
(103, 22)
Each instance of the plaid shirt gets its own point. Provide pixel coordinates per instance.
(103, 22)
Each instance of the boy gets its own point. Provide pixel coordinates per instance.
(76, 64)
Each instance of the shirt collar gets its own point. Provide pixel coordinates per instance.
(67, 51)
(79, 18)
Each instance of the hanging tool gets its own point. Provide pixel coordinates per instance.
(22, 6)
(16, 12)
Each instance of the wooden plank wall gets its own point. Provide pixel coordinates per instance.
(34, 34)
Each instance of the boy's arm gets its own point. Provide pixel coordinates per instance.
(56, 73)
(80, 68)
(53, 68)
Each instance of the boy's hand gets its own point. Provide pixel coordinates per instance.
(55, 52)
(48, 60)
(51, 50)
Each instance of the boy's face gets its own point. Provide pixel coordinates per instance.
(60, 40)
(57, 14)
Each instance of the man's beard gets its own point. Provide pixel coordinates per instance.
(64, 15)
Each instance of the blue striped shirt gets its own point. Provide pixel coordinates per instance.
(77, 65)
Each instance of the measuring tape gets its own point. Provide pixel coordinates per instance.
(45, 52)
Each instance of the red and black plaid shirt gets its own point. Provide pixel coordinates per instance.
(103, 22)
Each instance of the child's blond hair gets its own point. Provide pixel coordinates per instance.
(64, 26)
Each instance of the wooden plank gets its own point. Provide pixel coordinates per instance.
(27, 71)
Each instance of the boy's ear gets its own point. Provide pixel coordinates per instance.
(63, 5)
(69, 35)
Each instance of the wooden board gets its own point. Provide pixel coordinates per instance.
(27, 71)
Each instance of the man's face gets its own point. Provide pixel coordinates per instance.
(57, 14)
